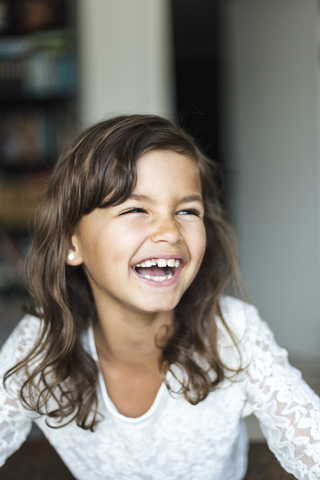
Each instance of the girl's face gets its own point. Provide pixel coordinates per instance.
(143, 254)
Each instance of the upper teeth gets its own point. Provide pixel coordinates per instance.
(161, 262)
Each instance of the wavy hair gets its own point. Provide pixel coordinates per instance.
(100, 164)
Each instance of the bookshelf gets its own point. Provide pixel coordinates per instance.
(38, 87)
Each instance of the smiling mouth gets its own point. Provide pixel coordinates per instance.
(157, 269)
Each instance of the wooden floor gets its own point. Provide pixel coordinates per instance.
(263, 465)
(36, 460)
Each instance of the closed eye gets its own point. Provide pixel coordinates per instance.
(133, 210)
(189, 211)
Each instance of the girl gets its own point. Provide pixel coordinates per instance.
(132, 360)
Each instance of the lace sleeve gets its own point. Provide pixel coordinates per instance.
(15, 424)
(288, 410)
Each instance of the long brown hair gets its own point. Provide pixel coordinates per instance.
(101, 163)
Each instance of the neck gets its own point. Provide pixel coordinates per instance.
(131, 339)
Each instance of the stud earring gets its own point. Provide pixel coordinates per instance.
(71, 256)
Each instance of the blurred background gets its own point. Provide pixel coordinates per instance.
(241, 75)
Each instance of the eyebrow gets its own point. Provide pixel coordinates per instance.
(146, 198)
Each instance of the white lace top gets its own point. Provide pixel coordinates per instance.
(175, 440)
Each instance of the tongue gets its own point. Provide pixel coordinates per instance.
(154, 271)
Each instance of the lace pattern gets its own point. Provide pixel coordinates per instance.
(177, 440)
(288, 410)
(15, 421)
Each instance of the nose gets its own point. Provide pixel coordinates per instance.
(166, 230)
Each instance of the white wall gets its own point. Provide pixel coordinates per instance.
(125, 54)
(272, 136)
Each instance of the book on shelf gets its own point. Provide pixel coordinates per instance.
(12, 253)
(37, 66)
(28, 137)
(19, 200)
(20, 17)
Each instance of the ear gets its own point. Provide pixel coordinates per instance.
(74, 257)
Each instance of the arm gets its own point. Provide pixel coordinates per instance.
(288, 410)
(15, 423)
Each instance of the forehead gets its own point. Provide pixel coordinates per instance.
(167, 168)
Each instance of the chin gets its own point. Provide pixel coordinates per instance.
(160, 307)
(158, 303)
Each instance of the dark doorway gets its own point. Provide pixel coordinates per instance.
(198, 72)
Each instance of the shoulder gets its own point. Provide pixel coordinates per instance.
(21, 341)
(239, 317)
(241, 331)
(251, 336)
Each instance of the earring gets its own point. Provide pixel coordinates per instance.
(71, 256)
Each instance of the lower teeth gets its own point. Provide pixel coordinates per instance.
(158, 279)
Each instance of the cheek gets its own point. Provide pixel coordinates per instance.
(197, 241)
(202, 243)
(115, 244)
(128, 238)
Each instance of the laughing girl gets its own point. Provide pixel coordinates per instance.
(132, 360)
